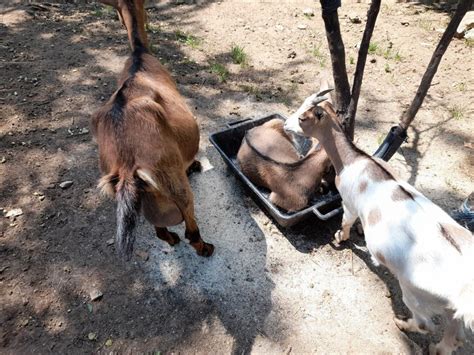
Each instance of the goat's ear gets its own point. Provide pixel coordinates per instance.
(324, 92)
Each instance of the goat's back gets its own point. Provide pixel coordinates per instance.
(146, 121)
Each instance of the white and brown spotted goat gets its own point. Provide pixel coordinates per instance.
(147, 139)
(431, 255)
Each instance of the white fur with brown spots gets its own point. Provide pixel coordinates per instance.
(431, 255)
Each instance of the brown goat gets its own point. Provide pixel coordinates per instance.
(147, 139)
(269, 159)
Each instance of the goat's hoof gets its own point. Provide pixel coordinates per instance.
(339, 236)
(195, 167)
(207, 250)
(401, 324)
(435, 349)
(173, 239)
(410, 326)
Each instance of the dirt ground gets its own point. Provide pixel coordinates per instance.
(266, 289)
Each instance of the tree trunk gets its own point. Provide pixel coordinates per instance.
(342, 92)
(359, 73)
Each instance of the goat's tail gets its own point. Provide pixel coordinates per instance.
(127, 192)
(128, 208)
(464, 305)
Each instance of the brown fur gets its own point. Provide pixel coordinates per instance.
(147, 135)
(291, 185)
(400, 195)
(374, 217)
(363, 187)
(454, 234)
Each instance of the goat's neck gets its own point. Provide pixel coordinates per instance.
(340, 150)
(133, 18)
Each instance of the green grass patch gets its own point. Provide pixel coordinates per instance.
(252, 90)
(189, 40)
(239, 56)
(220, 70)
(104, 11)
(373, 47)
(425, 24)
(320, 56)
(150, 27)
(456, 112)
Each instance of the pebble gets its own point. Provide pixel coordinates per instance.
(142, 255)
(66, 184)
(308, 12)
(355, 19)
(302, 26)
(15, 212)
(95, 295)
(110, 241)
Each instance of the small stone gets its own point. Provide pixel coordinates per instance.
(292, 55)
(110, 241)
(108, 342)
(355, 19)
(302, 26)
(66, 184)
(308, 12)
(14, 213)
(405, 23)
(3, 160)
(95, 295)
(142, 255)
(373, 60)
(92, 336)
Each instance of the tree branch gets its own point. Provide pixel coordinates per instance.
(409, 115)
(361, 60)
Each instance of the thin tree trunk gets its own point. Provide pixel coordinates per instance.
(360, 67)
(342, 92)
(409, 115)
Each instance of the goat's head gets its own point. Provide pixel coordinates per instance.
(311, 114)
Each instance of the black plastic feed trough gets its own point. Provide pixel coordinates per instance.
(227, 143)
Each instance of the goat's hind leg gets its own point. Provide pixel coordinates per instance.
(169, 237)
(183, 197)
(418, 323)
(452, 339)
(348, 219)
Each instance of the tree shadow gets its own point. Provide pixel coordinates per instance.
(57, 252)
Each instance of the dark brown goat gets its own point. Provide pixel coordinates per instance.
(147, 139)
(269, 159)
